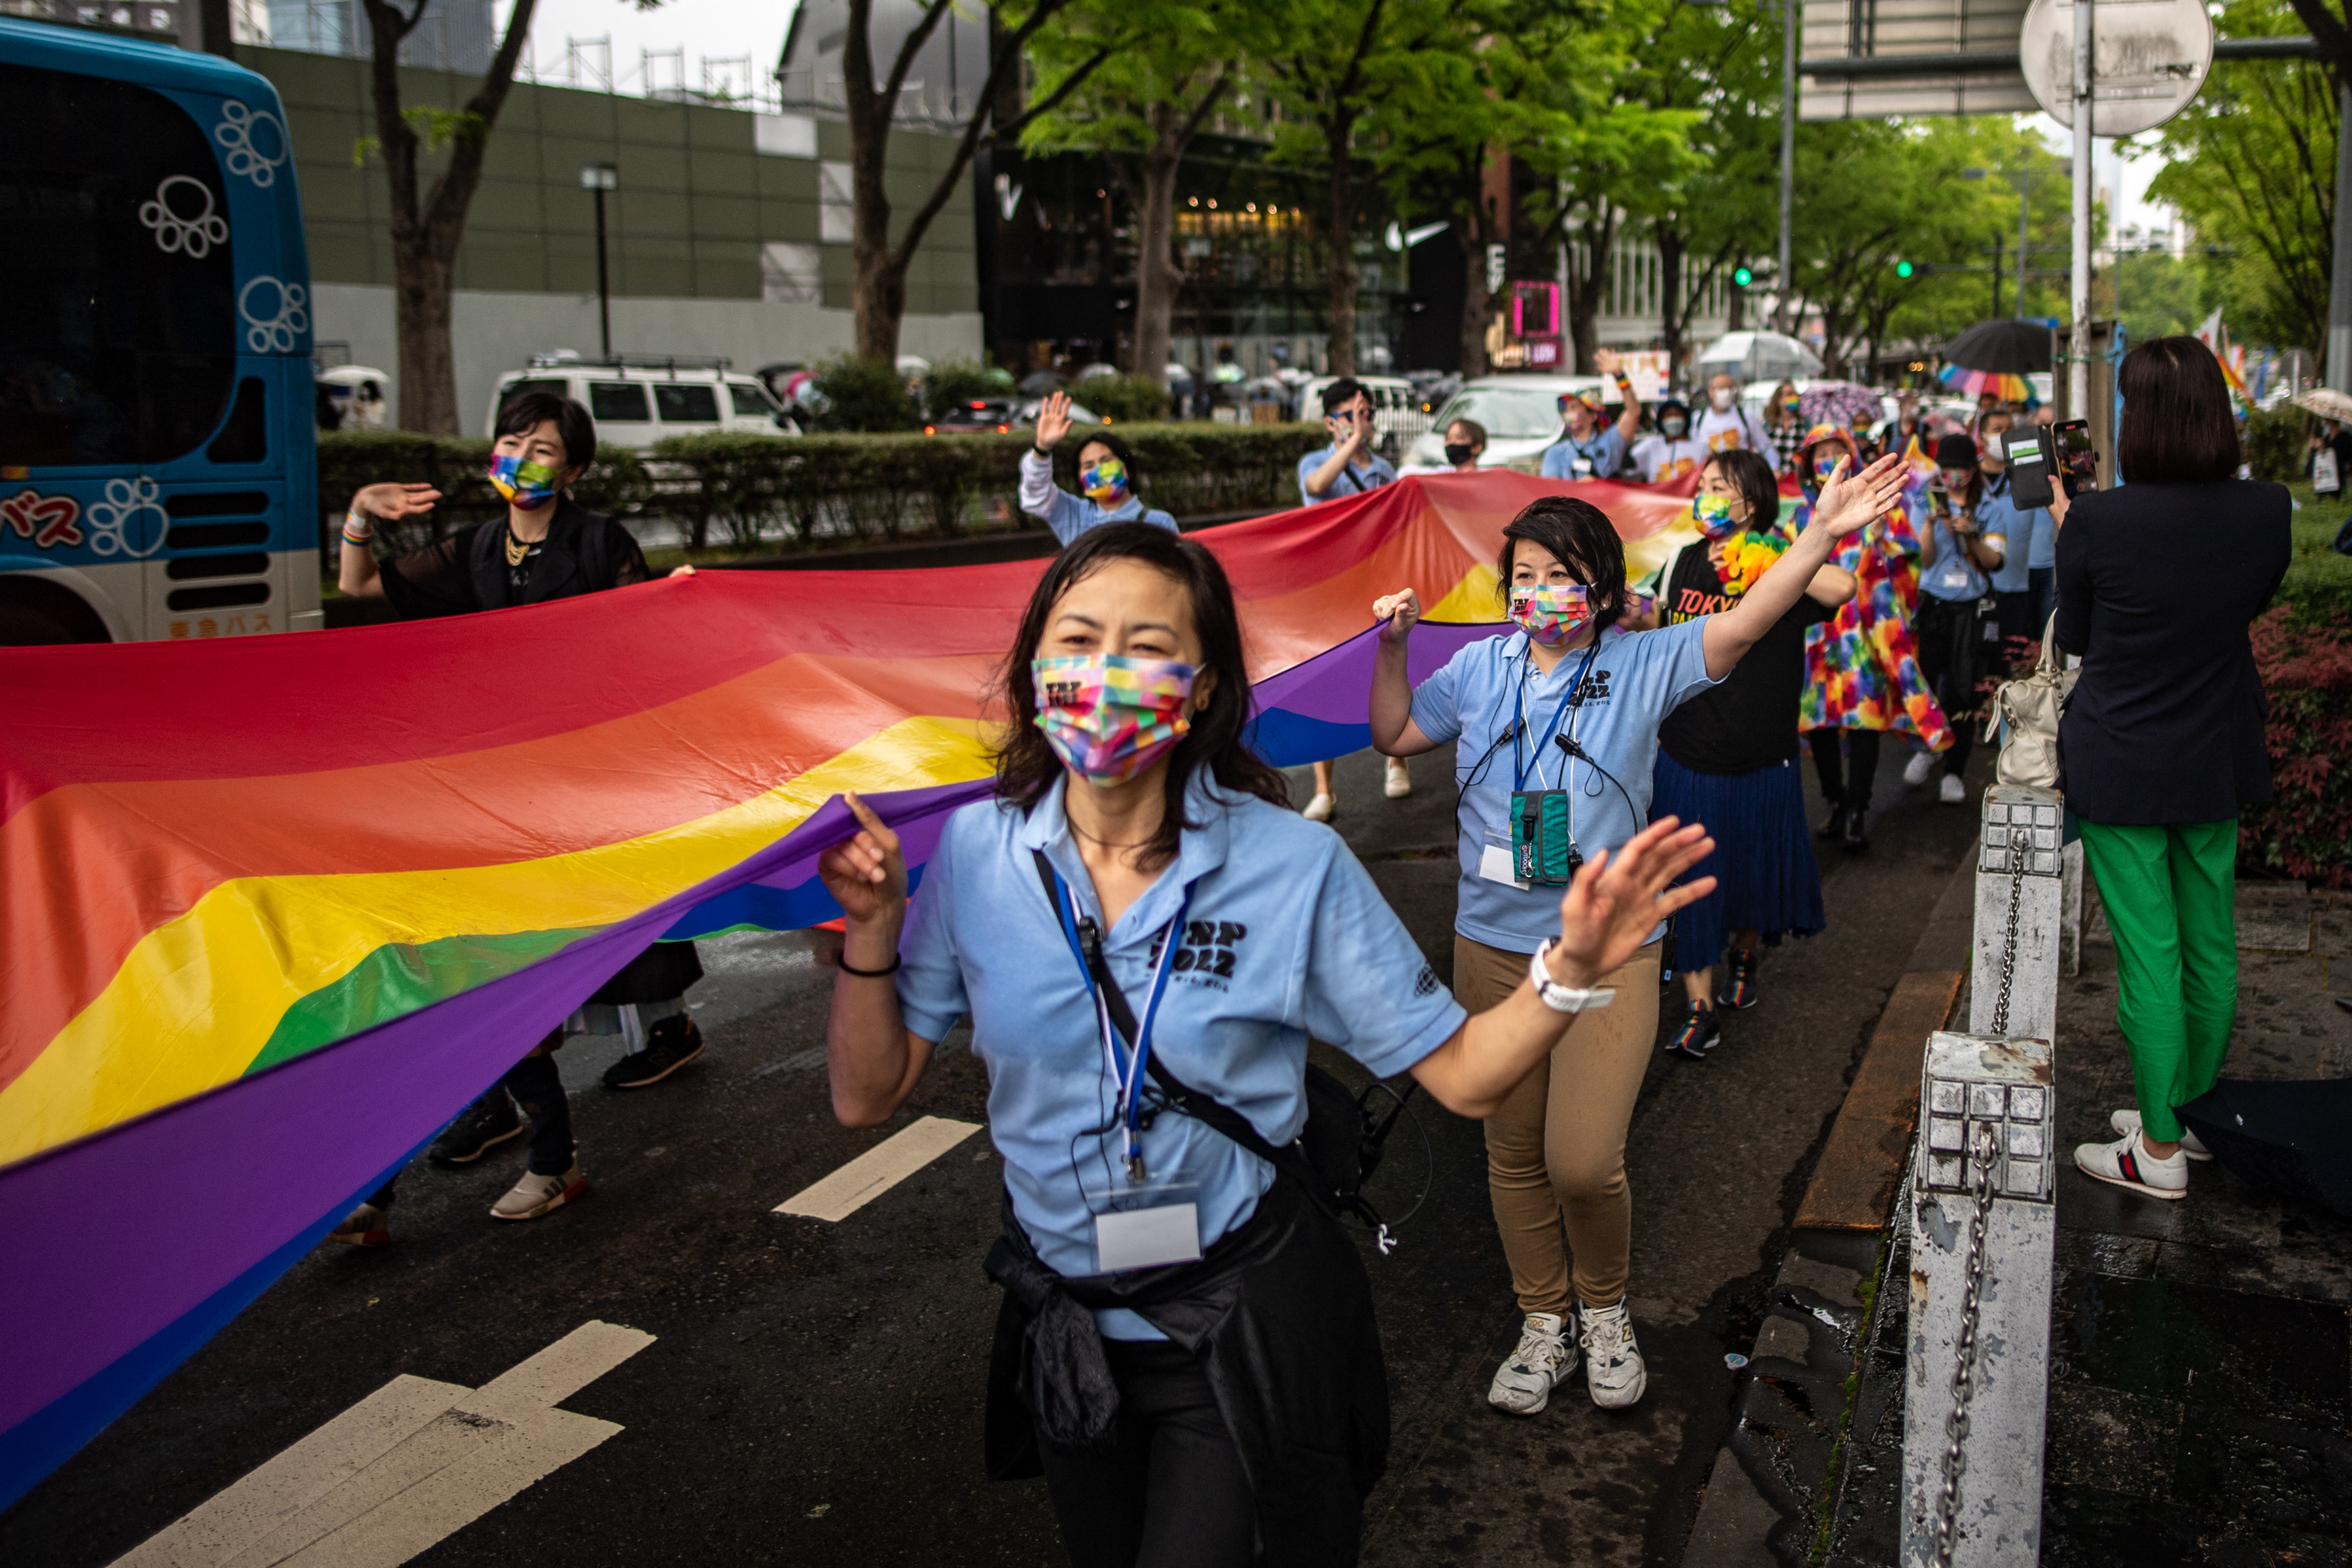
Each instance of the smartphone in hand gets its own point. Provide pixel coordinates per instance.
(2078, 465)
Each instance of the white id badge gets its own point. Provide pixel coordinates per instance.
(1495, 864)
(1145, 1227)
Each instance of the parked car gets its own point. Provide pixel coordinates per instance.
(637, 399)
(977, 416)
(1520, 412)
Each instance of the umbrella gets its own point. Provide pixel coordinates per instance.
(2328, 403)
(1757, 356)
(2008, 347)
(1038, 382)
(1977, 383)
(1839, 402)
(2291, 1137)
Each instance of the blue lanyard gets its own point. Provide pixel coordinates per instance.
(1518, 773)
(1129, 1105)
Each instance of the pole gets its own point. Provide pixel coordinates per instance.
(2078, 345)
(2339, 291)
(604, 283)
(1996, 271)
(2024, 202)
(1787, 280)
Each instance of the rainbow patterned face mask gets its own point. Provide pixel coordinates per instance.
(1711, 515)
(1105, 483)
(524, 484)
(1108, 717)
(1551, 612)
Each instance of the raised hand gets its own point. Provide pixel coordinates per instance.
(1052, 419)
(1399, 613)
(1850, 503)
(866, 874)
(1606, 362)
(391, 503)
(1616, 901)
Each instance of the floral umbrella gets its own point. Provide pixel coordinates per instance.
(1840, 403)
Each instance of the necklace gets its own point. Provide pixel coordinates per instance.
(517, 549)
(1092, 839)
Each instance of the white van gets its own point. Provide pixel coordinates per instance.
(637, 399)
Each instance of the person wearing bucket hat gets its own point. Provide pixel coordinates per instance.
(1957, 558)
(1862, 669)
(1673, 451)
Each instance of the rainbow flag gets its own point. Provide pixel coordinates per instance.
(273, 910)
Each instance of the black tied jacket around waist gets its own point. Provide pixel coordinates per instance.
(2156, 585)
(1280, 1313)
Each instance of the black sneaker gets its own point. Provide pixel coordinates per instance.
(1857, 832)
(488, 1123)
(1833, 824)
(1699, 1034)
(670, 1046)
(1738, 981)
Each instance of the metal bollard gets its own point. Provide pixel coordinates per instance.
(2021, 899)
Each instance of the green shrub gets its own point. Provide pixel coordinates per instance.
(861, 395)
(2273, 441)
(955, 383)
(2306, 831)
(1124, 399)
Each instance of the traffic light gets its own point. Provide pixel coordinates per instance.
(1904, 269)
(1743, 276)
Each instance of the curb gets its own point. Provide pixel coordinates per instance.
(1763, 1506)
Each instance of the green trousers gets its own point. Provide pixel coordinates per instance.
(2171, 899)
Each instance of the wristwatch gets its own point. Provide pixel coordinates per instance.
(1568, 999)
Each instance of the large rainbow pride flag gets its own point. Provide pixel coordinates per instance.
(273, 910)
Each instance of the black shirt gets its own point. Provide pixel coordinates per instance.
(1749, 721)
(584, 552)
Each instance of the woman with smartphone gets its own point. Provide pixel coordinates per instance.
(1957, 555)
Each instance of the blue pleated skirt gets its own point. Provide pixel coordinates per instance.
(1763, 864)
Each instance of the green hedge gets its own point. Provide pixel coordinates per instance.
(749, 491)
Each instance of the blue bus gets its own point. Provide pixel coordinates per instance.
(158, 475)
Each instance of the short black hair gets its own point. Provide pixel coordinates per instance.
(1341, 393)
(1752, 477)
(1579, 535)
(573, 428)
(2176, 426)
(1476, 431)
(1117, 449)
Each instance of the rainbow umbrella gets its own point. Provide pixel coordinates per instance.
(1977, 383)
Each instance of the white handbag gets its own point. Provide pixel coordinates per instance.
(2029, 706)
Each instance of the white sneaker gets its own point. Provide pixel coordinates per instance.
(1400, 779)
(536, 1195)
(2127, 1163)
(1952, 792)
(1914, 772)
(1320, 809)
(1614, 1368)
(1545, 1359)
(2128, 1121)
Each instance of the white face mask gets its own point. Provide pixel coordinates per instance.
(1721, 397)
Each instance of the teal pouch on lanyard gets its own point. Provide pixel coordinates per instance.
(1543, 849)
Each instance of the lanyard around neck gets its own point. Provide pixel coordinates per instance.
(1095, 969)
(1567, 700)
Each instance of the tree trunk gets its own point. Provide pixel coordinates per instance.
(1585, 291)
(428, 359)
(1342, 274)
(1735, 313)
(1477, 307)
(877, 290)
(1156, 274)
(1673, 310)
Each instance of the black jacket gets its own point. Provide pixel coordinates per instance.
(2156, 585)
(584, 552)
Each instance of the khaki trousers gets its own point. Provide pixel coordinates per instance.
(1556, 1147)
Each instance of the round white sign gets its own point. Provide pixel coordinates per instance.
(2149, 59)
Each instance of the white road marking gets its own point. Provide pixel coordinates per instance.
(878, 1170)
(410, 1464)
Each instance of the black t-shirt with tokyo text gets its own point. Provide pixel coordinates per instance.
(1749, 721)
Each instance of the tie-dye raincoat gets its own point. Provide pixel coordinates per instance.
(1861, 669)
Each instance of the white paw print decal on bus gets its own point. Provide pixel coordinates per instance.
(181, 214)
(129, 521)
(252, 141)
(287, 318)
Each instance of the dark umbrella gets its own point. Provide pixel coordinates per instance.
(1038, 382)
(2004, 347)
(2293, 1138)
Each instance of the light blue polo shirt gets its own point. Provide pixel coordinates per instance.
(1353, 480)
(1954, 576)
(1602, 453)
(1287, 938)
(1636, 680)
(1069, 516)
(2029, 535)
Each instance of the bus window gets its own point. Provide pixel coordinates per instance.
(619, 400)
(687, 403)
(118, 300)
(245, 438)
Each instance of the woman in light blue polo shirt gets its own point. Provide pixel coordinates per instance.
(1136, 889)
(1555, 729)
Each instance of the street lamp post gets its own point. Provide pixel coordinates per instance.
(2078, 344)
(1784, 284)
(599, 178)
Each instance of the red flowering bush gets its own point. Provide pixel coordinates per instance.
(2306, 832)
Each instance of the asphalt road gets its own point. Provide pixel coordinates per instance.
(813, 1392)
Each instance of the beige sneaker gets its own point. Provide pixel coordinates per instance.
(2128, 1121)
(1321, 808)
(536, 1195)
(363, 1227)
(2127, 1163)
(1399, 783)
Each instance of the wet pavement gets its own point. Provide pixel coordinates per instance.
(812, 1394)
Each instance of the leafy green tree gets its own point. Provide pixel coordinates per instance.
(2252, 166)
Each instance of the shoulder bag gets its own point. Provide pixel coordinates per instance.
(2029, 707)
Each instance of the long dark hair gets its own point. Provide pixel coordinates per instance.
(1578, 535)
(1027, 766)
(2177, 429)
(1752, 477)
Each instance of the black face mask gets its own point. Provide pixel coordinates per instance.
(1458, 453)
